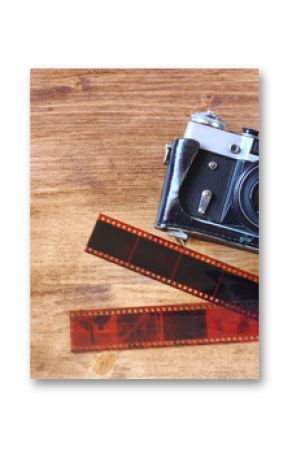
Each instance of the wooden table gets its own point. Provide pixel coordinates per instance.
(97, 140)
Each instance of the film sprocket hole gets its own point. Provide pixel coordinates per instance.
(211, 187)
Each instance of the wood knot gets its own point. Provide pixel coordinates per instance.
(105, 363)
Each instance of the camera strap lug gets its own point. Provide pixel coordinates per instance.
(180, 236)
(167, 154)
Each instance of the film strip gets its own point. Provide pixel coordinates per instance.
(230, 314)
(174, 265)
(145, 327)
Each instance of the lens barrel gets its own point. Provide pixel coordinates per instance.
(246, 198)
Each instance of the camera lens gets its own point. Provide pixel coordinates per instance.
(255, 197)
(246, 197)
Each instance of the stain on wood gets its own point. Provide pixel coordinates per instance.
(97, 140)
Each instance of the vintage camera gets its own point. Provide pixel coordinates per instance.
(211, 188)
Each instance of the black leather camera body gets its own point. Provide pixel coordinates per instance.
(211, 188)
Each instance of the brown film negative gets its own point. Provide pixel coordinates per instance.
(174, 265)
(145, 327)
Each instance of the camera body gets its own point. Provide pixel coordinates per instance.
(211, 187)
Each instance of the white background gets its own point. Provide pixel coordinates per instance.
(164, 414)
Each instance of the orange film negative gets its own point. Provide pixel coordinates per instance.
(145, 327)
(230, 315)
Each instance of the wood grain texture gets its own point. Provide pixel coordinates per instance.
(97, 140)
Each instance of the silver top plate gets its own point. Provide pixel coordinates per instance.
(220, 141)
